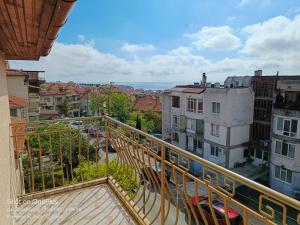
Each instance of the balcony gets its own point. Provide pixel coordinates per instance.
(119, 175)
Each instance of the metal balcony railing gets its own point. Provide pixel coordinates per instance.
(151, 177)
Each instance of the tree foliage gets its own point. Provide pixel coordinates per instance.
(120, 106)
(152, 122)
(97, 103)
(138, 123)
(64, 108)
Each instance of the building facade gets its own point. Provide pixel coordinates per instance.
(212, 122)
(284, 167)
(228, 115)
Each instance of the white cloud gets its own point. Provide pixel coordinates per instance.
(132, 48)
(273, 45)
(181, 50)
(277, 37)
(88, 41)
(215, 38)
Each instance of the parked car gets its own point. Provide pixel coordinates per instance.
(77, 122)
(234, 217)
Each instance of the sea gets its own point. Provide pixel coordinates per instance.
(150, 85)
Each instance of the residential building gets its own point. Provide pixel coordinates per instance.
(18, 107)
(285, 149)
(228, 115)
(55, 94)
(17, 84)
(35, 80)
(274, 133)
(210, 121)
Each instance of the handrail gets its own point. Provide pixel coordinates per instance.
(143, 171)
(259, 187)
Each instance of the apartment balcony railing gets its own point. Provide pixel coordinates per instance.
(287, 105)
(151, 177)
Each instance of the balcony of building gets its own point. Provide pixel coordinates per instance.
(288, 100)
(106, 172)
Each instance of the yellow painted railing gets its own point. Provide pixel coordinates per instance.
(150, 176)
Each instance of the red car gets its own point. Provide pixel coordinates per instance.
(234, 217)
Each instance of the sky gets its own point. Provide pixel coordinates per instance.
(173, 41)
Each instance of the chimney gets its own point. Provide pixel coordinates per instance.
(258, 73)
(204, 78)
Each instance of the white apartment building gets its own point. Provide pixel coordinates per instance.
(285, 149)
(183, 117)
(228, 114)
(213, 123)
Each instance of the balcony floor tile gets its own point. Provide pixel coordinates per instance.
(92, 205)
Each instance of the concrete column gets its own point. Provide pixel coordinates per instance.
(6, 167)
(227, 153)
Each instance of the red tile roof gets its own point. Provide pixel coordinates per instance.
(148, 102)
(59, 88)
(17, 102)
(49, 112)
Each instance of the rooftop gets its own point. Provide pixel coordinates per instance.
(17, 102)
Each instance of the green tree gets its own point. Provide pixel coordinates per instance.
(152, 121)
(120, 106)
(64, 108)
(97, 103)
(138, 124)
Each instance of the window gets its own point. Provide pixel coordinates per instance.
(215, 107)
(175, 137)
(191, 104)
(287, 127)
(191, 124)
(215, 129)
(283, 174)
(285, 149)
(175, 101)
(214, 150)
(200, 105)
(197, 144)
(279, 123)
(175, 121)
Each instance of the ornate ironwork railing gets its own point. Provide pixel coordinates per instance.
(151, 177)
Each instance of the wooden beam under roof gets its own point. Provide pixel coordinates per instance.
(28, 28)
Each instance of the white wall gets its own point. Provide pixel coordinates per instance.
(7, 166)
(236, 155)
(236, 106)
(239, 134)
(16, 86)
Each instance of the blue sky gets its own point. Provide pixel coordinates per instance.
(163, 40)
